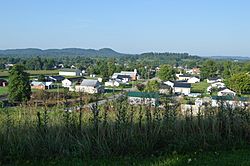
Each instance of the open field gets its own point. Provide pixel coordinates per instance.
(32, 72)
(200, 87)
(222, 158)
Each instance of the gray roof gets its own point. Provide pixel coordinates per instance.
(182, 85)
(184, 75)
(88, 82)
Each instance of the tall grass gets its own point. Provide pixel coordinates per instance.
(117, 129)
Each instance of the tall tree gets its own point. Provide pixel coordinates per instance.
(209, 69)
(166, 73)
(152, 86)
(239, 82)
(19, 87)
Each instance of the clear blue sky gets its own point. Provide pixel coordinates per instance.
(201, 27)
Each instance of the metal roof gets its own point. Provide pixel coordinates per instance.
(143, 94)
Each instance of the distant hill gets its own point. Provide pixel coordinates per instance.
(60, 52)
(240, 58)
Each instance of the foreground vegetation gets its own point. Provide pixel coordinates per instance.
(222, 158)
(3, 90)
(116, 129)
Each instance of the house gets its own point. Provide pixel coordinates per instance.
(133, 74)
(218, 85)
(41, 85)
(181, 87)
(169, 83)
(123, 78)
(70, 72)
(8, 66)
(209, 89)
(231, 101)
(3, 82)
(189, 71)
(89, 86)
(196, 70)
(183, 77)
(213, 80)
(141, 98)
(112, 83)
(69, 82)
(226, 92)
(55, 78)
(165, 89)
(193, 80)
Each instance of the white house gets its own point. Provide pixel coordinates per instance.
(183, 88)
(193, 80)
(112, 83)
(213, 80)
(209, 89)
(70, 82)
(189, 71)
(41, 85)
(183, 77)
(226, 92)
(70, 72)
(141, 98)
(169, 83)
(123, 78)
(89, 86)
(218, 85)
(54, 78)
(165, 89)
(133, 74)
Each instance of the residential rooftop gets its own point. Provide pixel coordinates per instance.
(143, 94)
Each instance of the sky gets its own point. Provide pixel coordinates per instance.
(198, 27)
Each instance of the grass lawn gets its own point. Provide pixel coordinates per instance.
(200, 87)
(33, 72)
(221, 158)
(3, 90)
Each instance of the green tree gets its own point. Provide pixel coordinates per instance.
(209, 69)
(41, 77)
(227, 69)
(111, 67)
(152, 86)
(166, 73)
(239, 82)
(19, 87)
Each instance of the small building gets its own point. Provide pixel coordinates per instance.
(165, 89)
(181, 87)
(69, 82)
(196, 70)
(41, 85)
(213, 80)
(112, 83)
(70, 72)
(226, 92)
(143, 98)
(55, 78)
(3, 82)
(133, 74)
(183, 77)
(89, 86)
(123, 78)
(218, 85)
(193, 80)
